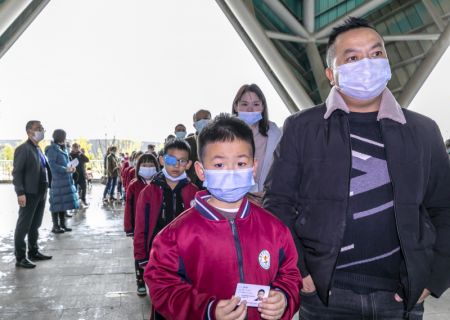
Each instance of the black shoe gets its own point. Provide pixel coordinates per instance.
(38, 256)
(141, 289)
(25, 263)
(66, 229)
(57, 230)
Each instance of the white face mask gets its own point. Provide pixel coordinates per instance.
(365, 79)
(147, 172)
(38, 136)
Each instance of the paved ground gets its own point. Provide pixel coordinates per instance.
(91, 275)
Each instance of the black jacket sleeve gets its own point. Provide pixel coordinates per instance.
(282, 184)
(20, 156)
(437, 203)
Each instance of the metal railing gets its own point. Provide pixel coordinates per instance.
(6, 167)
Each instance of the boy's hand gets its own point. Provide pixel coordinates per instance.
(273, 307)
(226, 309)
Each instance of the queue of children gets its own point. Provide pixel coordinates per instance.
(198, 229)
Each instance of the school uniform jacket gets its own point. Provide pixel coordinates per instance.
(134, 189)
(130, 175)
(200, 257)
(149, 208)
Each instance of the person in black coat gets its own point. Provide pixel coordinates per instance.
(80, 175)
(31, 178)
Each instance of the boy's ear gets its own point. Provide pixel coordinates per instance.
(255, 168)
(161, 161)
(199, 170)
(188, 165)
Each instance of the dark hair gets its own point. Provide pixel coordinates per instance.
(30, 124)
(136, 155)
(179, 144)
(180, 125)
(169, 137)
(261, 290)
(224, 128)
(112, 148)
(151, 146)
(349, 24)
(145, 158)
(264, 122)
(447, 143)
(59, 135)
(194, 117)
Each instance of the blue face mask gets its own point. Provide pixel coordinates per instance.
(250, 118)
(229, 185)
(180, 134)
(365, 79)
(200, 124)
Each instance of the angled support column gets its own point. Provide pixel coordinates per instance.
(424, 70)
(297, 28)
(268, 57)
(15, 17)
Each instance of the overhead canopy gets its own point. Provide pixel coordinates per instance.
(288, 39)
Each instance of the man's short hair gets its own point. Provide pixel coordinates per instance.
(180, 125)
(75, 145)
(447, 143)
(151, 146)
(349, 24)
(179, 144)
(194, 117)
(30, 124)
(224, 128)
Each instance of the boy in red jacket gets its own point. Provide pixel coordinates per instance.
(168, 195)
(197, 261)
(147, 166)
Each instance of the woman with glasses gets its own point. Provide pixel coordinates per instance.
(250, 105)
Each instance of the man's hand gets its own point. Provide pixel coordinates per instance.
(423, 296)
(308, 285)
(22, 200)
(226, 309)
(274, 306)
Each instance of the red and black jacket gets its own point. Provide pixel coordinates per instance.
(157, 206)
(134, 189)
(200, 258)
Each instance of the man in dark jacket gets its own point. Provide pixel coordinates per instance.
(31, 178)
(80, 175)
(364, 187)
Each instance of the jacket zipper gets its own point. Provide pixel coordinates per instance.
(395, 210)
(237, 244)
(174, 203)
(348, 200)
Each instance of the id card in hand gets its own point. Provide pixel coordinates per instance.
(252, 293)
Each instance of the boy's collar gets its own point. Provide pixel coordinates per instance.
(389, 107)
(210, 213)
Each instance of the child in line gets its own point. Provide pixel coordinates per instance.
(197, 261)
(168, 195)
(147, 166)
(131, 172)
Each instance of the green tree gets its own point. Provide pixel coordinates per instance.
(7, 153)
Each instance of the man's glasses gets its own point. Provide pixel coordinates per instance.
(172, 161)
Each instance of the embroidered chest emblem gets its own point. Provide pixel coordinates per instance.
(264, 259)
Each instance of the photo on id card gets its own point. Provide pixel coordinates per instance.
(252, 293)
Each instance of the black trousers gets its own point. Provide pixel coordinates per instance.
(81, 183)
(28, 223)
